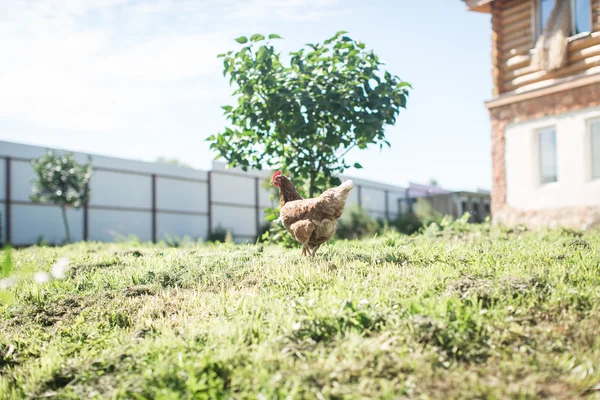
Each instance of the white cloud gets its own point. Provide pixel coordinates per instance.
(90, 65)
(290, 10)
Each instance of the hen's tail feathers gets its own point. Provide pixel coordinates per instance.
(341, 192)
(347, 185)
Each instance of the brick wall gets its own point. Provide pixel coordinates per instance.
(552, 104)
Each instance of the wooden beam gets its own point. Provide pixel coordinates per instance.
(567, 84)
(482, 6)
(496, 46)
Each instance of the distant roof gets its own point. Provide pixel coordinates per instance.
(483, 6)
(418, 190)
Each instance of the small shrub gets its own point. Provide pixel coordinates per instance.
(407, 224)
(62, 181)
(220, 235)
(426, 213)
(355, 223)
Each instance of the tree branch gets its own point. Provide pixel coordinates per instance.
(347, 150)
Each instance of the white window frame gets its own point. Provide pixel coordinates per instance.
(589, 141)
(538, 150)
(537, 22)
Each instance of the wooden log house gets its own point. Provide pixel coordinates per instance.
(545, 111)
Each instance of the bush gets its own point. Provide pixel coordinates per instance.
(426, 213)
(220, 234)
(355, 223)
(406, 223)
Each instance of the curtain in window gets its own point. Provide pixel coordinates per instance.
(551, 47)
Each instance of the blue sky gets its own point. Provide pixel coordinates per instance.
(140, 79)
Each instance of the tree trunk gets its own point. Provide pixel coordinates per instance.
(66, 223)
(311, 184)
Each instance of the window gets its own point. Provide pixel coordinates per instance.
(595, 137)
(581, 15)
(547, 147)
(476, 212)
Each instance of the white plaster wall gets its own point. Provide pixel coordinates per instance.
(30, 222)
(575, 186)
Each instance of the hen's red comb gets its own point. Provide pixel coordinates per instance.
(276, 174)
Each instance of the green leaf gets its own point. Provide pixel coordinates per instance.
(256, 37)
(274, 36)
(242, 39)
(357, 166)
(7, 265)
(227, 108)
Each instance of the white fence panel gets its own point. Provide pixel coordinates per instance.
(232, 189)
(178, 226)
(373, 200)
(396, 198)
(240, 221)
(352, 197)
(32, 222)
(118, 189)
(110, 225)
(2, 180)
(173, 194)
(21, 176)
(123, 201)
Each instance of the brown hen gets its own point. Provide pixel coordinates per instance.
(311, 222)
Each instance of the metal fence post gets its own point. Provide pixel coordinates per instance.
(209, 205)
(8, 201)
(154, 233)
(359, 196)
(86, 222)
(387, 205)
(257, 204)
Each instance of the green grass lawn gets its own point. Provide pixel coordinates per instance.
(486, 315)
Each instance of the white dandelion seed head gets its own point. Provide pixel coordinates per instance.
(42, 277)
(59, 269)
(8, 282)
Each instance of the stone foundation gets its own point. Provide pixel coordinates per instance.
(567, 217)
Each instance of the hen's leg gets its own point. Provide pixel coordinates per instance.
(305, 248)
(314, 250)
(302, 231)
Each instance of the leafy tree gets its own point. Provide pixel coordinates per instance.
(304, 117)
(61, 181)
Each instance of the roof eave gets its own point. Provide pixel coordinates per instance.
(482, 6)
